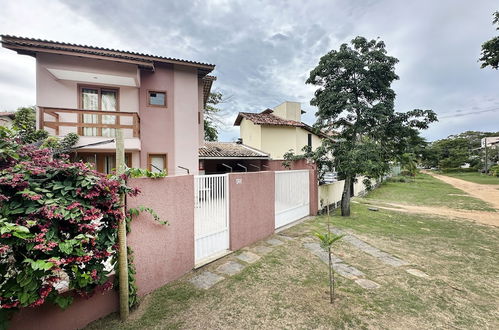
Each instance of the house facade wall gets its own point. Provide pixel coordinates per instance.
(277, 140)
(52, 92)
(186, 107)
(157, 133)
(251, 134)
(176, 130)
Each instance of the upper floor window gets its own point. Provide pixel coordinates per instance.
(309, 141)
(98, 99)
(157, 99)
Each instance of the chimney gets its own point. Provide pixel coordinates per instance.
(289, 110)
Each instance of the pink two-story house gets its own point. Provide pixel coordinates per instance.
(157, 101)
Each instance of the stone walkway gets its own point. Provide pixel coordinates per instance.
(371, 250)
(236, 263)
(340, 267)
(206, 279)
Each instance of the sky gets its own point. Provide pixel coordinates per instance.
(264, 50)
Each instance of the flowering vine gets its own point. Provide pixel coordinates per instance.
(58, 227)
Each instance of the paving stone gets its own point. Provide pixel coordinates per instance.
(371, 250)
(367, 284)
(206, 280)
(248, 257)
(274, 242)
(286, 238)
(230, 268)
(347, 271)
(417, 272)
(316, 249)
(262, 249)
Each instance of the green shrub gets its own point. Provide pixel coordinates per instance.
(494, 170)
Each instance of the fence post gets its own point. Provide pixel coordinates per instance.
(122, 250)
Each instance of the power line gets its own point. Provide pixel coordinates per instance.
(457, 114)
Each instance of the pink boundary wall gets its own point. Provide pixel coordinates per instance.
(162, 253)
(252, 207)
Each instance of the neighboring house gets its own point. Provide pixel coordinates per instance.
(7, 118)
(491, 141)
(157, 101)
(277, 131)
(223, 157)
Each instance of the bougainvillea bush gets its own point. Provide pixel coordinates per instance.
(58, 227)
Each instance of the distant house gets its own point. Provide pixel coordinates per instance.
(276, 131)
(490, 141)
(158, 102)
(7, 118)
(225, 157)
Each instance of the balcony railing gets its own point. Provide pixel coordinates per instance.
(89, 122)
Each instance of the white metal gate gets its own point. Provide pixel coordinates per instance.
(292, 201)
(211, 217)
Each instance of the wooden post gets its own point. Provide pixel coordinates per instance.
(122, 250)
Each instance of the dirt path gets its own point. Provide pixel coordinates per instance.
(487, 193)
(487, 218)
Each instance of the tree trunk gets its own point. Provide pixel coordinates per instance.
(330, 276)
(345, 197)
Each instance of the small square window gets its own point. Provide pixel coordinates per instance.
(157, 99)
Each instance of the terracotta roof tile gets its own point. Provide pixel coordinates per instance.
(28, 45)
(229, 150)
(266, 117)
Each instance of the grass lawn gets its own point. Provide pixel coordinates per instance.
(475, 177)
(427, 191)
(287, 288)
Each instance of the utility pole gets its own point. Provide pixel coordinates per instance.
(486, 157)
(122, 247)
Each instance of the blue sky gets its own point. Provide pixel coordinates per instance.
(264, 50)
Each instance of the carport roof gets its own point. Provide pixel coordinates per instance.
(230, 150)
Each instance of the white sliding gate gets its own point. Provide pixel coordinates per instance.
(211, 217)
(292, 201)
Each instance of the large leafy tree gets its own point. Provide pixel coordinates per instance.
(490, 48)
(211, 116)
(354, 98)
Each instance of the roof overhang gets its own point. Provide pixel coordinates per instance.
(236, 158)
(90, 77)
(31, 46)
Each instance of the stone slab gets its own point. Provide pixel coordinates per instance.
(206, 280)
(274, 242)
(316, 249)
(248, 257)
(417, 272)
(260, 249)
(286, 238)
(230, 268)
(371, 250)
(367, 284)
(347, 271)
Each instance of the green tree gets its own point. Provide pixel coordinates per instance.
(25, 125)
(490, 48)
(355, 99)
(211, 113)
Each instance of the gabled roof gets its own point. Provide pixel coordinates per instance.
(225, 150)
(266, 117)
(30, 46)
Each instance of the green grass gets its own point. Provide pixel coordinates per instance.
(288, 287)
(475, 177)
(427, 191)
